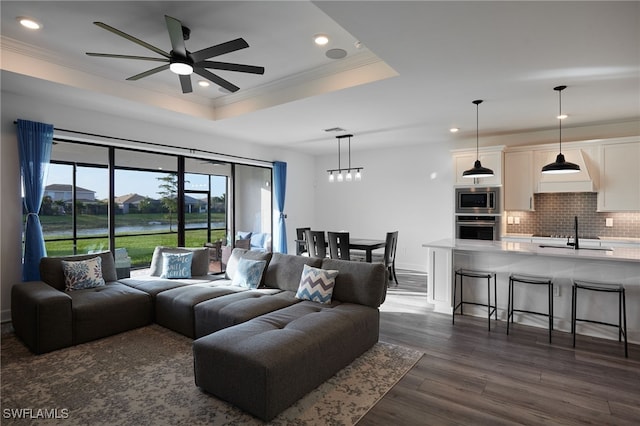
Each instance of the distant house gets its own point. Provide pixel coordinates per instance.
(62, 192)
(126, 202)
(193, 205)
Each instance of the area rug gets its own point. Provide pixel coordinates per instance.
(145, 377)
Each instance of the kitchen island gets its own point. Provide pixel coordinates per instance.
(563, 265)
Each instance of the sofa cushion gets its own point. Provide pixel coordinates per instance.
(51, 271)
(238, 254)
(82, 274)
(199, 263)
(176, 265)
(358, 282)
(284, 270)
(107, 310)
(257, 240)
(248, 273)
(222, 312)
(316, 284)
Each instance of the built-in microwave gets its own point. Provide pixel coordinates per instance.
(475, 200)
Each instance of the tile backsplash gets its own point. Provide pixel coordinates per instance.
(555, 212)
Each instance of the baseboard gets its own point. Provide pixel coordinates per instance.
(5, 316)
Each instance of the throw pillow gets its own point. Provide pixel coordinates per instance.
(243, 235)
(316, 284)
(249, 273)
(176, 265)
(79, 275)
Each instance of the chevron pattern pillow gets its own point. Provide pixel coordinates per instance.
(316, 284)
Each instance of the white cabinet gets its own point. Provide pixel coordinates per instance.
(619, 177)
(491, 159)
(518, 180)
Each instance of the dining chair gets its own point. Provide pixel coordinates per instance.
(301, 246)
(339, 245)
(390, 255)
(316, 243)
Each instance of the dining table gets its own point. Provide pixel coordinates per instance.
(365, 244)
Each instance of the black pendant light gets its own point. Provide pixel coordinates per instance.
(560, 166)
(477, 171)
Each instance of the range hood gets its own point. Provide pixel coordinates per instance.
(571, 182)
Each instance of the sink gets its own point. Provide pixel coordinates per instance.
(571, 248)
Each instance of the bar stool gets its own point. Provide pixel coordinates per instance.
(535, 280)
(469, 273)
(607, 288)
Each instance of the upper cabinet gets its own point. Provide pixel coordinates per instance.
(490, 158)
(619, 177)
(518, 180)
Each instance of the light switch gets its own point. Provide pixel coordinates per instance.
(509, 220)
(517, 220)
(609, 222)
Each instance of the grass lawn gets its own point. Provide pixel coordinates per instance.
(140, 247)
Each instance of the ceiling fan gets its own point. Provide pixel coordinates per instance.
(183, 62)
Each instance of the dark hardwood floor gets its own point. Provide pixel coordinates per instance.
(470, 376)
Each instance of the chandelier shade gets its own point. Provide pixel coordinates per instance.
(477, 171)
(560, 166)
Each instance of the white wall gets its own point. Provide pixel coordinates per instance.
(407, 189)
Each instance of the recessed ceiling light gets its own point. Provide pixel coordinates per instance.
(203, 83)
(562, 116)
(321, 39)
(30, 23)
(454, 130)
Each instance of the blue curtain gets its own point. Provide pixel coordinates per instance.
(279, 189)
(34, 144)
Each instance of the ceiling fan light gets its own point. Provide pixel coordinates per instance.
(180, 68)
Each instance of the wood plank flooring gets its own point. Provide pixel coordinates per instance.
(470, 376)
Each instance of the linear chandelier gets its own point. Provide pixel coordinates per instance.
(338, 176)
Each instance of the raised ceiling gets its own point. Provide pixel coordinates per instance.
(412, 76)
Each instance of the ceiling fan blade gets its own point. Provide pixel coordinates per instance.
(148, 73)
(133, 39)
(219, 49)
(142, 58)
(185, 82)
(216, 79)
(252, 69)
(175, 33)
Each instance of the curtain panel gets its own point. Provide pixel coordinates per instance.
(279, 188)
(34, 145)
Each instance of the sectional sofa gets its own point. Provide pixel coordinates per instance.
(259, 348)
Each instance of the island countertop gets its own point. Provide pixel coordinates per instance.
(626, 254)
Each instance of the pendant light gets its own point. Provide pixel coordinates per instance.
(560, 166)
(477, 171)
(348, 177)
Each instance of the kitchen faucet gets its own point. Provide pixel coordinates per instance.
(575, 243)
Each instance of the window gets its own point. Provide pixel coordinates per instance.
(81, 213)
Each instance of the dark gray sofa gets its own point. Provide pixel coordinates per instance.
(260, 349)
(47, 318)
(265, 364)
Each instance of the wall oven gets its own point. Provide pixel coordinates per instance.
(475, 200)
(477, 227)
